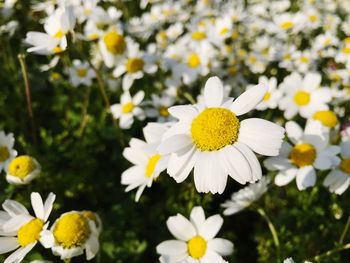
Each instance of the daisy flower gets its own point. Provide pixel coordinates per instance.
(211, 139)
(195, 239)
(74, 232)
(303, 95)
(272, 96)
(112, 45)
(133, 65)
(338, 180)
(128, 108)
(22, 170)
(7, 153)
(81, 73)
(148, 163)
(310, 150)
(160, 106)
(328, 118)
(20, 231)
(245, 197)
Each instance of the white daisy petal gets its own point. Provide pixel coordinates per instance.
(286, 176)
(174, 144)
(19, 254)
(211, 227)
(172, 247)
(183, 112)
(294, 131)
(221, 246)
(306, 177)
(197, 216)
(213, 92)
(180, 227)
(8, 244)
(38, 206)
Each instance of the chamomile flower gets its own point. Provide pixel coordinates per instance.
(245, 197)
(112, 46)
(211, 139)
(20, 231)
(7, 153)
(311, 150)
(303, 95)
(195, 239)
(22, 170)
(148, 163)
(160, 105)
(73, 233)
(338, 180)
(128, 108)
(328, 118)
(272, 96)
(81, 73)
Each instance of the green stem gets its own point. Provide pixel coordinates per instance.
(273, 233)
(67, 260)
(343, 234)
(84, 118)
(21, 58)
(331, 252)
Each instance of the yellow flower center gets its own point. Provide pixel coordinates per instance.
(302, 98)
(152, 162)
(345, 165)
(328, 118)
(214, 128)
(224, 31)
(346, 40)
(4, 154)
(87, 12)
(59, 34)
(163, 111)
(115, 42)
(71, 230)
(346, 50)
(128, 107)
(267, 96)
(22, 166)
(198, 36)
(81, 72)
(193, 60)
(93, 36)
(287, 25)
(303, 154)
(197, 247)
(304, 59)
(252, 59)
(57, 50)
(134, 64)
(30, 232)
(313, 18)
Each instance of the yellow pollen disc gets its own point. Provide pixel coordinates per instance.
(224, 31)
(163, 111)
(304, 59)
(313, 18)
(152, 162)
(345, 165)
(93, 36)
(214, 128)
(302, 98)
(128, 107)
(346, 40)
(4, 154)
(252, 59)
(115, 43)
(267, 96)
(328, 118)
(303, 154)
(57, 50)
(21, 166)
(134, 64)
(287, 25)
(197, 247)
(59, 34)
(71, 230)
(81, 72)
(55, 75)
(193, 60)
(198, 36)
(287, 56)
(87, 12)
(30, 232)
(346, 50)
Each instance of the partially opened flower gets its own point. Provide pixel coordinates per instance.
(20, 231)
(245, 197)
(22, 170)
(195, 239)
(7, 153)
(73, 233)
(211, 139)
(311, 150)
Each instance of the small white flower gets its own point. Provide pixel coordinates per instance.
(22, 170)
(195, 239)
(81, 73)
(7, 153)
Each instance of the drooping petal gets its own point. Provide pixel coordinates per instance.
(306, 177)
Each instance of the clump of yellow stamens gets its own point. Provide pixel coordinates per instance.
(22, 166)
(267, 96)
(134, 64)
(4, 153)
(214, 128)
(115, 43)
(163, 111)
(302, 98)
(128, 107)
(345, 165)
(328, 118)
(303, 155)
(287, 25)
(71, 230)
(193, 60)
(197, 247)
(81, 72)
(30, 232)
(151, 166)
(198, 36)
